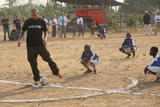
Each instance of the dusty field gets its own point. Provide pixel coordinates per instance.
(112, 73)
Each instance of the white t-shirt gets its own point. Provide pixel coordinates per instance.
(157, 18)
(80, 20)
(53, 21)
(46, 21)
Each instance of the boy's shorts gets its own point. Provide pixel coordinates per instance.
(128, 50)
(95, 62)
(154, 69)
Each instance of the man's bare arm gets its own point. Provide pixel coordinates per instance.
(21, 35)
(45, 38)
(45, 35)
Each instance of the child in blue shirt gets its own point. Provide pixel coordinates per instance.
(154, 66)
(128, 46)
(80, 27)
(102, 33)
(89, 58)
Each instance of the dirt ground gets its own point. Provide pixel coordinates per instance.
(112, 72)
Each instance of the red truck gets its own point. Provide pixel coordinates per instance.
(89, 15)
(96, 14)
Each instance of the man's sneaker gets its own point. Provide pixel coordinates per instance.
(37, 83)
(60, 76)
(157, 80)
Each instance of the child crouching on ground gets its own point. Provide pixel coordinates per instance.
(154, 66)
(128, 46)
(102, 32)
(89, 58)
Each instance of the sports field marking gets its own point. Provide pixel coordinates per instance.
(101, 92)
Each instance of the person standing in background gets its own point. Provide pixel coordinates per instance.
(5, 23)
(92, 27)
(45, 19)
(17, 24)
(147, 23)
(80, 25)
(74, 29)
(63, 23)
(54, 23)
(157, 22)
(47, 22)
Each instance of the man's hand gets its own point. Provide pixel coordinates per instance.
(19, 44)
(45, 42)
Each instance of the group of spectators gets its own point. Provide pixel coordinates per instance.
(58, 25)
(16, 25)
(147, 23)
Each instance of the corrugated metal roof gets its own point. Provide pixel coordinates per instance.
(92, 2)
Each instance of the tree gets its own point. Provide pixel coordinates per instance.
(139, 6)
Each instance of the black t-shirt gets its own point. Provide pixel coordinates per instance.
(35, 29)
(17, 23)
(5, 23)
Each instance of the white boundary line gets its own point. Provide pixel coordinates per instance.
(103, 92)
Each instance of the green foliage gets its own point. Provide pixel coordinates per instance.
(113, 16)
(132, 20)
(139, 6)
(11, 9)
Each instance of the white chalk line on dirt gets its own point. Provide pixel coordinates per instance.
(103, 91)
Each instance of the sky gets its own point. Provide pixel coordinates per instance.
(120, 0)
(2, 2)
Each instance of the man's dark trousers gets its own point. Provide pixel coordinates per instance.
(33, 52)
(53, 30)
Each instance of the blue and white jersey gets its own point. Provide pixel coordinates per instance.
(80, 20)
(63, 20)
(155, 62)
(129, 43)
(91, 55)
(102, 31)
(80, 26)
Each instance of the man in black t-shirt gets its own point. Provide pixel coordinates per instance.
(17, 23)
(5, 23)
(35, 27)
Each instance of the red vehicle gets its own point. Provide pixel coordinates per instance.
(96, 14)
(89, 16)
